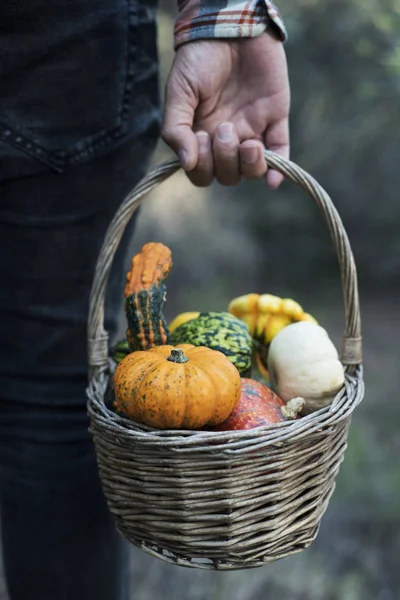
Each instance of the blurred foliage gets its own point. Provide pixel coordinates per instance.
(344, 66)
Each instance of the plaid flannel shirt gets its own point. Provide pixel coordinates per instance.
(202, 19)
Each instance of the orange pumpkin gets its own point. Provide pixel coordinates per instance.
(183, 387)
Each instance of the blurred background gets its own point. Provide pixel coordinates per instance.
(344, 66)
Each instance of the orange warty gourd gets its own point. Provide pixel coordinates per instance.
(150, 266)
(145, 296)
(183, 387)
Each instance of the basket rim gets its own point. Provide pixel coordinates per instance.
(342, 407)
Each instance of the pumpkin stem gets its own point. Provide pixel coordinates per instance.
(293, 407)
(178, 356)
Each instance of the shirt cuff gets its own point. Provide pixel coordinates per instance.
(207, 19)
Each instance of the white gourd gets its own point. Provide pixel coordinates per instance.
(302, 361)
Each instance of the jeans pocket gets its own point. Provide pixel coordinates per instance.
(77, 78)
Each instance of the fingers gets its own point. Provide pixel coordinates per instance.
(225, 159)
(226, 154)
(277, 140)
(179, 107)
(203, 174)
(221, 156)
(252, 161)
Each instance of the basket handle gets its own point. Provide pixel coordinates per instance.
(351, 355)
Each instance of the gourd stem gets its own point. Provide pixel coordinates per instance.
(293, 407)
(178, 356)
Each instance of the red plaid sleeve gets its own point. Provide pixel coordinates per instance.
(202, 19)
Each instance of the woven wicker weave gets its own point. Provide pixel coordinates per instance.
(229, 500)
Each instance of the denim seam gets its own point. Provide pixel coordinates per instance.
(60, 160)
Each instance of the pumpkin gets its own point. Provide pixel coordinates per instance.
(219, 331)
(259, 406)
(303, 361)
(145, 297)
(185, 387)
(182, 318)
(265, 316)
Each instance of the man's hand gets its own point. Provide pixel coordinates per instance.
(225, 99)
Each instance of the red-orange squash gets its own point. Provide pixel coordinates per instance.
(184, 387)
(259, 406)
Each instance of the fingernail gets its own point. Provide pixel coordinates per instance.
(203, 140)
(183, 157)
(249, 154)
(225, 133)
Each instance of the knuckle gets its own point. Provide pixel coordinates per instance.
(225, 150)
(167, 135)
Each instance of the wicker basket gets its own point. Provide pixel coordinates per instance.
(229, 500)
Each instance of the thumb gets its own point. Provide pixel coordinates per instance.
(177, 128)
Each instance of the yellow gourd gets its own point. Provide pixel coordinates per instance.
(182, 318)
(266, 314)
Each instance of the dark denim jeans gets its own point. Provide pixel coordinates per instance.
(79, 119)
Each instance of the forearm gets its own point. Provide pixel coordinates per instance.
(205, 19)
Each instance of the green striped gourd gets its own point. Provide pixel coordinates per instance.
(218, 331)
(145, 297)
